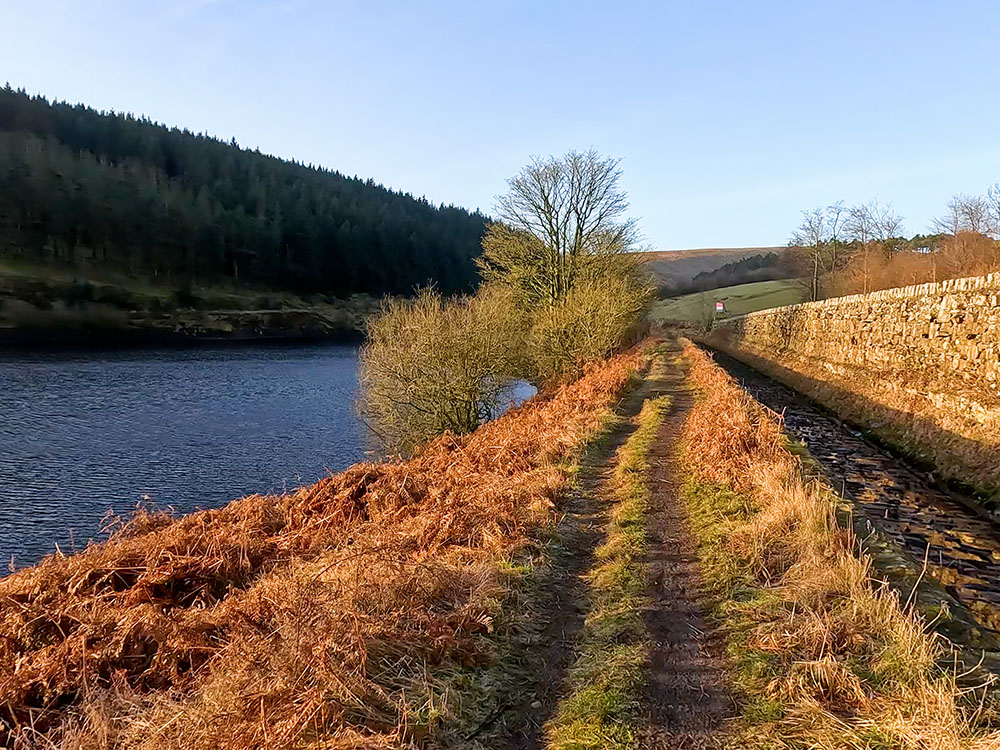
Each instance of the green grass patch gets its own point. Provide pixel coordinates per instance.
(740, 299)
(601, 708)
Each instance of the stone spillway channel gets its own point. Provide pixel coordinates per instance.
(941, 533)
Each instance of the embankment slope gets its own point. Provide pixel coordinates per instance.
(68, 305)
(362, 611)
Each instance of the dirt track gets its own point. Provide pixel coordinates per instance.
(684, 703)
(685, 695)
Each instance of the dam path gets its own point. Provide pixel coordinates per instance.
(684, 701)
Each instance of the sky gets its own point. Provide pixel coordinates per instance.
(729, 118)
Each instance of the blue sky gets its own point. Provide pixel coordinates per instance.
(730, 117)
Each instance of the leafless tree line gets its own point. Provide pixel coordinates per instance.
(861, 248)
(829, 237)
(972, 213)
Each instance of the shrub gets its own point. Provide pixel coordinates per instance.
(432, 365)
(596, 318)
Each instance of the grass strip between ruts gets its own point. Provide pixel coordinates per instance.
(601, 707)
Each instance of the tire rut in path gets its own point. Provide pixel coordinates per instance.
(686, 698)
(581, 530)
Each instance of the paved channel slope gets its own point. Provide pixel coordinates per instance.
(959, 547)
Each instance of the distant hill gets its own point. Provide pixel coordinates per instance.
(675, 270)
(111, 192)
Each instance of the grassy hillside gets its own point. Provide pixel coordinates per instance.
(677, 268)
(738, 300)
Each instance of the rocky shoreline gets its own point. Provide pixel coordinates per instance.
(116, 327)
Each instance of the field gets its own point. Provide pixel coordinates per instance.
(738, 300)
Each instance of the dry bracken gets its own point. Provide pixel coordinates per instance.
(327, 617)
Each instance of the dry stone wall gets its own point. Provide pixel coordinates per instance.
(918, 364)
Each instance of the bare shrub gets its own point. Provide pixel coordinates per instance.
(561, 289)
(433, 365)
(876, 267)
(593, 320)
(967, 254)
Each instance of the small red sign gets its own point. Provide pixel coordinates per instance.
(719, 307)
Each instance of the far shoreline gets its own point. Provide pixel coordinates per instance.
(67, 339)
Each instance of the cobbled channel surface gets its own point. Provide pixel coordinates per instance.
(961, 548)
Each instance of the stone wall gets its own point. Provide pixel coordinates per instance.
(920, 365)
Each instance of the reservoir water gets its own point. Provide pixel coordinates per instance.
(85, 433)
(82, 433)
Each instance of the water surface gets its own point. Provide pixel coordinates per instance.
(82, 433)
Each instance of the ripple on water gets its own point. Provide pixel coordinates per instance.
(82, 434)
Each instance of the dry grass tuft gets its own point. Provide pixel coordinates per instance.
(345, 614)
(824, 656)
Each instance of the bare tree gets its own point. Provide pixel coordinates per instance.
(811, 237)
(861, 231)
(886, 224)
(993, 204)
(970, 213)
(859, 224)
(871, 226)
(836, 217)
(951, 221)
(561, 219)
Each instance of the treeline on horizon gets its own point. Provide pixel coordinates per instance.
(840, 249)
(115, 191)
